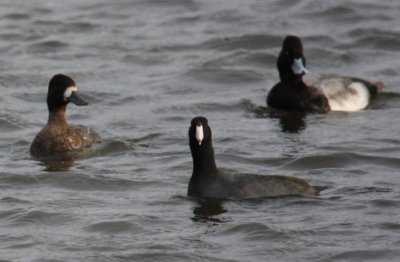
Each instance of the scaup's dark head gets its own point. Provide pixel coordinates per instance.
(199, 133)
(62, 90)
(291, 62)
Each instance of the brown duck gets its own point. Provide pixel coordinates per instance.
(57, 136)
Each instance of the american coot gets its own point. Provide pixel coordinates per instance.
(57, 136)
(315, 93)
(209, 182)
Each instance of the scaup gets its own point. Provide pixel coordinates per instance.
(209, 182)
(57, 136)
(317, 93)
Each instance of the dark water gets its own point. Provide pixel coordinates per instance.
(148, 67)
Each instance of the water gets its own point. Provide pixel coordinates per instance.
(148, 67)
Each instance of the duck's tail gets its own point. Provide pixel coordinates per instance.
(380, 86)
(373, 87)
(318, 189)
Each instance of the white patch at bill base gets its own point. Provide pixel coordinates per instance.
(199, 134)
(69, 90)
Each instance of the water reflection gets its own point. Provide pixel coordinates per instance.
(207, 211)
(290, 121)
(56, 164)
(63, 161)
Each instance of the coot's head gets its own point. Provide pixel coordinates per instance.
(62, 90)
(291, 61)
(199, 132)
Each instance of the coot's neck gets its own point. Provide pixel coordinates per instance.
(204, 166)
(57, 115)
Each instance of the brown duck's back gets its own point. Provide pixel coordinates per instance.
(58, 139)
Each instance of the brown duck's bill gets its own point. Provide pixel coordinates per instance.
(77, 100)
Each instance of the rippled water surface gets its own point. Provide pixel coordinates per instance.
(148, 67)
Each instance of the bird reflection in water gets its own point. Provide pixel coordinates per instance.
(56, 164)
(208, 210)
(65, 160)
(290, 121)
